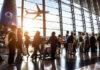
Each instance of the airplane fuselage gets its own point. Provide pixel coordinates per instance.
(39, 12)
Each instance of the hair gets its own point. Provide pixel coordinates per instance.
(67, 32)
(25, 33)
(37, 33)
(59, 35)
(53, 33)
(72, 33)
(93, 34)
(86, 33)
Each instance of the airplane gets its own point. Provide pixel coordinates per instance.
(38, 12)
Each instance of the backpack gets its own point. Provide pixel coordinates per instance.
(80, 39)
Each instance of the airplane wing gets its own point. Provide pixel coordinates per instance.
(36, 16)
(38, 7)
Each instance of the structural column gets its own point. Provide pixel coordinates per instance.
(73, 15)
(60, 17)
(98, 23)
(44, 22)
(96, 6)
(83, 17)
(90, 13)
(99, 6)
(22, 15)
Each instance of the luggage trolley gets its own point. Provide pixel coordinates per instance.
(46, 50)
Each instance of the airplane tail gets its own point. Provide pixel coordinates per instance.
(38, 7)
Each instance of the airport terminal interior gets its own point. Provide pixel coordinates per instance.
(75, 25)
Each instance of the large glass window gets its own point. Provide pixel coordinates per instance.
(67, 17)
(52, 18)
(95, 23)
(78, 18)
(77, 3)
(87, 21)
(31, 23)
(67, 27)
(77, 11)
(85, 3)
(66, 1)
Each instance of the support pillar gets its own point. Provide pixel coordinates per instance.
(83, 16)
(73, 16)
(90, 13)
(60, 17)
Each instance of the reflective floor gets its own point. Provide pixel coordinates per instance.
(79, 61)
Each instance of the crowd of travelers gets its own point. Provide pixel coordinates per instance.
(71, 42)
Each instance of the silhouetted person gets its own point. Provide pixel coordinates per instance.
(92, 42)
(98, 39)
(59, 43)
(36, 44)
(66, 42)
(59, 40)
(75, 43)
(81, 40)
(27, 40)
(19, 45)
(86, 43)
(53, 41)
(12, 45)
(70, 43)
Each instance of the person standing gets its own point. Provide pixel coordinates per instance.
(98, 39)
(70, 43)
(36, 44)
(75, 43)
(12, 45)
(86, 43)
(92, 43)
(53, 41)
(27, 41)
(66, 42)
(81, 40)
(60, 41)
(19, 45)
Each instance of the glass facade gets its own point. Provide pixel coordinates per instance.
(52, 18)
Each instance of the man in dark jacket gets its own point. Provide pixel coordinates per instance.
(53, 41)
(86, 43)
(92, 42)
(12, 45)
(70, 43)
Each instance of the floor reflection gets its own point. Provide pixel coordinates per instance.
(79, 61)
(46, 64)
(95, 66)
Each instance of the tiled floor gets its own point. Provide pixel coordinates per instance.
(79, 61)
